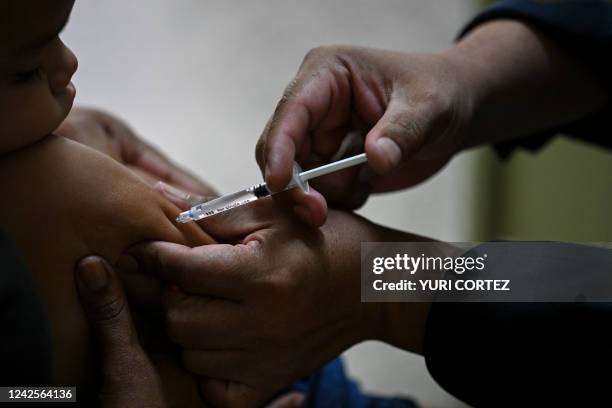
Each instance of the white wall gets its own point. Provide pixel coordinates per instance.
(199, 79)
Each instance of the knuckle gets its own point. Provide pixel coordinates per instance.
(110, 311)
(431, 100)
(281, 283)
(324, 52)
(316, 53)
(443, 111)
(288, 94)
(151, 258)
(121, 376)
(436, 102)
(316, 61)
(406, 132)
(318, 58)
(433, 114)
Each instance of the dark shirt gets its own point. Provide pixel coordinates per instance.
(25, 340)
(583, 28)
(528, 354)
(535, 354)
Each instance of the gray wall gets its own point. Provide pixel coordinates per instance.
(199, 79)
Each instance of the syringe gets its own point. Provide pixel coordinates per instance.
(299, 179)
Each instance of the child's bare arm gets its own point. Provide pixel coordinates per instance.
(63, 201)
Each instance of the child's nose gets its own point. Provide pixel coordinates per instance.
(63, 66)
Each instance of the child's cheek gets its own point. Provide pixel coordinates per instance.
(28, 113)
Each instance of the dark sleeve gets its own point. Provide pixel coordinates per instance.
(25, 341)
(583, 28)
(527, 354)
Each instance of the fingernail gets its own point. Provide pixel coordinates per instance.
(176, 195)
(391, 150)
(94, 275)
(172, 192)
(127, 264)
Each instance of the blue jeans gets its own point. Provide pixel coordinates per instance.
(330, 387)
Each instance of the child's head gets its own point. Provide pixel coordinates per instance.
(35, 70)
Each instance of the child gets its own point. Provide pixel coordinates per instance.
(36, 67)
(63, 200)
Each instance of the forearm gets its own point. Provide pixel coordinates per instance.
(399, 324)
(520, 82)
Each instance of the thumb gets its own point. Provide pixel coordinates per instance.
(128, 374)
(399, 133)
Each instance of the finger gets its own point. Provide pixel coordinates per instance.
(219, 270)
(124, 363)
(226, 364)
(80, 127)
(400, 133)
(310, 207)
(361, 189)
(182, 199)
(339, 185)
(348, 188)
(104, 303)
(260, 146)
(293, 399)
(182, 388)
(318, 98)
(142, 289)
(151, 160)
(287, 131)
(326, 142)
(149, 179)
(203, 323)
(221, 393)
(141, 154)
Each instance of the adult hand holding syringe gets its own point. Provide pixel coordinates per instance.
(411, 113)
